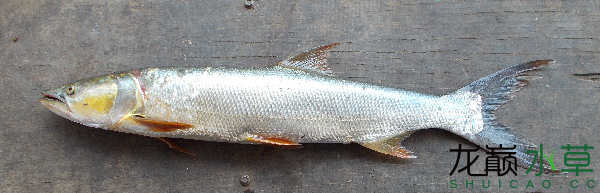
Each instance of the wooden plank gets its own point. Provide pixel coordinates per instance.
(427, 46)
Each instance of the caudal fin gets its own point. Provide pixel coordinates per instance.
(495, 90)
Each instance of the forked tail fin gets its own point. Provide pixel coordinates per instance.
(495, 90)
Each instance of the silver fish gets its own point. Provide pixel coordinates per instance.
(295, 101)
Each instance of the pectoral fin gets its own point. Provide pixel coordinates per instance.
(391, 146)
(174, 145)
(272, 140)
(160, 126)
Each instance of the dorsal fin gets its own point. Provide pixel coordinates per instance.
(313, 60)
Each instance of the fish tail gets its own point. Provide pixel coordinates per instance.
(489, 93)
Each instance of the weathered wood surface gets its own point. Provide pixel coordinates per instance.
(427, 46)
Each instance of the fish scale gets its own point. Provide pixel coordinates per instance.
(295, 101)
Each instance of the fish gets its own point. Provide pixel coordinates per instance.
(298, 100)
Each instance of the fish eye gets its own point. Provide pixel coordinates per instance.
(70, 90)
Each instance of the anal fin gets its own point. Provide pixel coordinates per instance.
(160, 126)
(271, 140)
(391, 146)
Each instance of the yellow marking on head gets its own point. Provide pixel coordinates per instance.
(95, 102)
(100, 103)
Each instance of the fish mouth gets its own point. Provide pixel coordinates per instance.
(56, 104)
(52, 97)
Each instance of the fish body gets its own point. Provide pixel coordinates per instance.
(296, 101)
(229, 104)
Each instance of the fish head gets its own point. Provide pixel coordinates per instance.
(89, 101)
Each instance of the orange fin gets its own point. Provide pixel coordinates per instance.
(313, 60)
(174, 145)
(160, 126)
(391, 146)
(272, 140)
